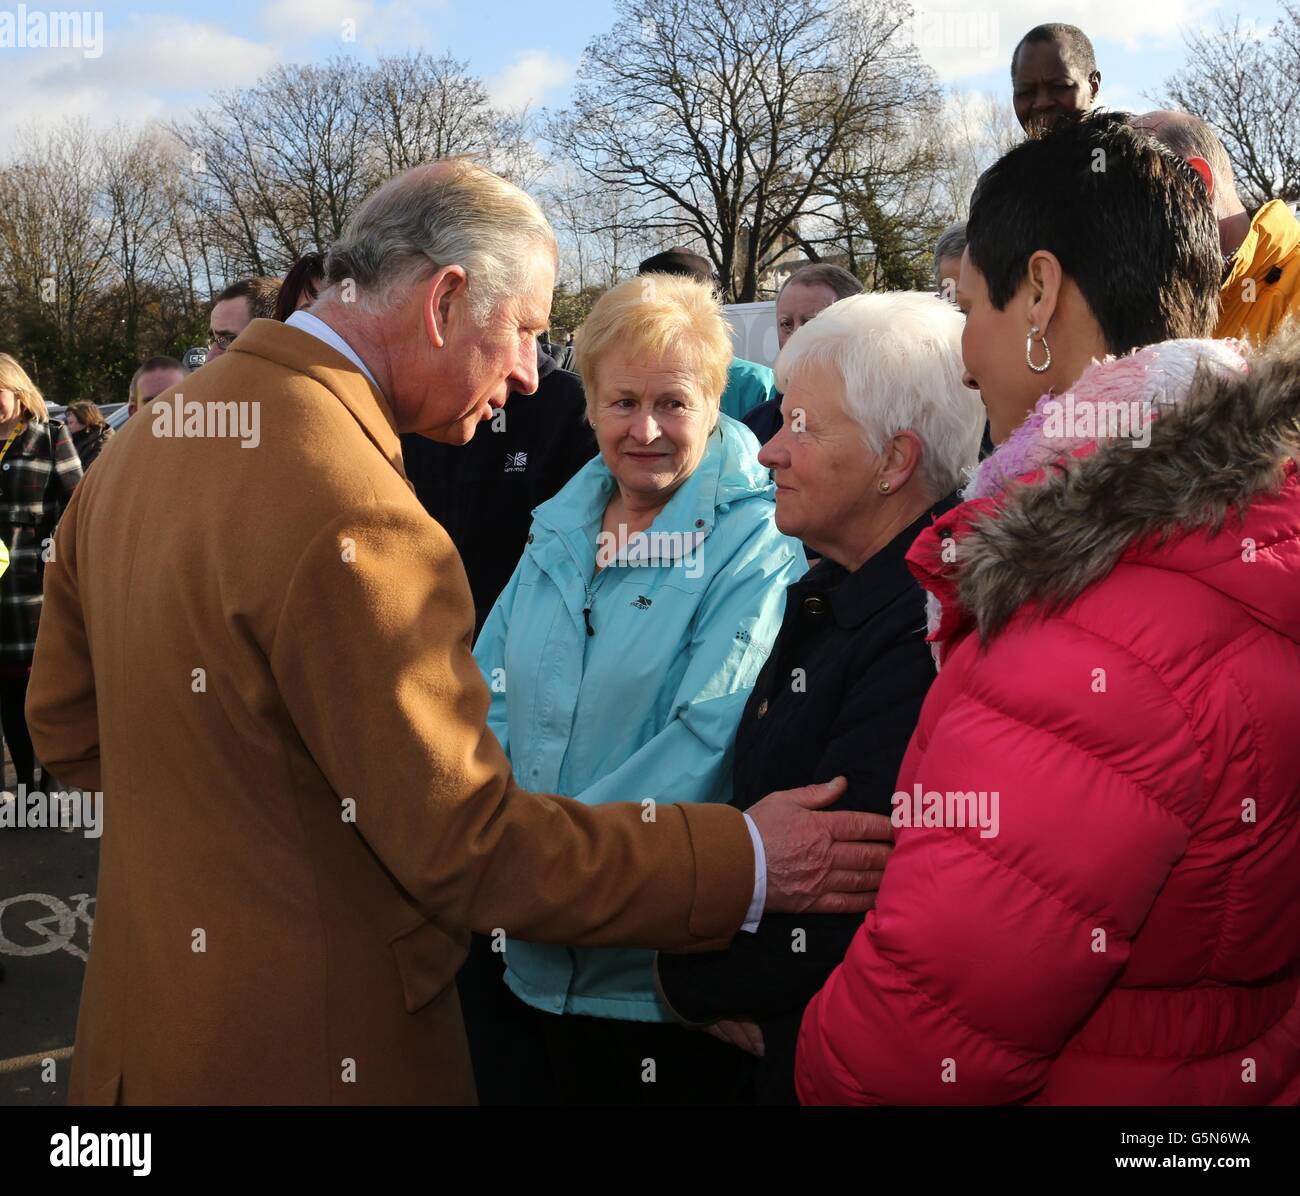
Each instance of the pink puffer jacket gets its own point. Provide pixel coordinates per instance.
(1122, 924)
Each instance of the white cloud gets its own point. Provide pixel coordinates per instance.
(374, 24)
(960, 40)
(528, 78)
(165, 52)
(143, 60)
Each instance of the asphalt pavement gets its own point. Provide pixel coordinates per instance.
(47, 888)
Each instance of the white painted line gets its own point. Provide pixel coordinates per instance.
(23, 1062)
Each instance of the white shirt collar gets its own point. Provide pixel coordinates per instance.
(323, 332)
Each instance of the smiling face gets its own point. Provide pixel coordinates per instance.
(797, 304)
(652, 424)
(824, 473)
(1045, 86)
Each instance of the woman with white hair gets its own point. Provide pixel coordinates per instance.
(878, 433)
(619, 658)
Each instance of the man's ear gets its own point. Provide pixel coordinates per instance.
(444, 299)
(1202, 167)
(1045, 276)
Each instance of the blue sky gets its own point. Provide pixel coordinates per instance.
(161, 57)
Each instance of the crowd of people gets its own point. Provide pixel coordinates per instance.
(913, 723)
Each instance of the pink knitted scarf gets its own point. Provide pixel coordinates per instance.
(1107, 393)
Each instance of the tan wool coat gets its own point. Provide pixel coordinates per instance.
(261, 656)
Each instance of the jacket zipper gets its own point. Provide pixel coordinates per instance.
(591, 597)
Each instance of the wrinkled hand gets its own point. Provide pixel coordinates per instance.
(818, 861)
(739, 1032)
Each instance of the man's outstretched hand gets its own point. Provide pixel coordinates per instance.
(819, 861)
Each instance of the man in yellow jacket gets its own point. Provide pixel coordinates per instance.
(1261, 281)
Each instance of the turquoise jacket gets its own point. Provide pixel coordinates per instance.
(748, 384)
(645, 707)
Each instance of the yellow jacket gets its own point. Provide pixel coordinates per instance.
(1264, 285)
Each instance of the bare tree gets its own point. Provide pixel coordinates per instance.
(725, 117)
(600, 233)
(424, 108)
(1246, 88)
(975, 131)
(288, 160)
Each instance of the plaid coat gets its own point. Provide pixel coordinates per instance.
(37, 478)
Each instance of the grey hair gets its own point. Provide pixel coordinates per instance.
(951, 243)
(826, 274)
(898, 357)
(452, 212)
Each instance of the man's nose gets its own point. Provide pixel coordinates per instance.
(523, 378)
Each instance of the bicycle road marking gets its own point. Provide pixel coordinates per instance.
(58, 938)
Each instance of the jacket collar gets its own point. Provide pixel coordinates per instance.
(855, 597)
(1273, 236)
(303, 353)
(1048, 535)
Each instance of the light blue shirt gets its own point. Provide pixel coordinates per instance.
(305, 321)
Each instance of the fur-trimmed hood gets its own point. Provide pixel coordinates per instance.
(1049, 515)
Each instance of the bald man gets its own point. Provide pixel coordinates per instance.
(1261, 272)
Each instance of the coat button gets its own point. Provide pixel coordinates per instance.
(762, 708)
(815, 605)
(699, 523)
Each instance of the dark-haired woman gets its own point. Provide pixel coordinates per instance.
(300, 285)
(90, 431)
(1094, 895)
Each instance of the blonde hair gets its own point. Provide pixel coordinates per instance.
(14, 377)
(658, 316)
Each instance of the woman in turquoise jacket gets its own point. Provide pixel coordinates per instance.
(622, 651)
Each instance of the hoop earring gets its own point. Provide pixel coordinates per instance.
(1029, 347)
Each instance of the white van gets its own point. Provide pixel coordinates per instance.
(753, 330)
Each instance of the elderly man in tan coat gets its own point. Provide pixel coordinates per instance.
(303, 809)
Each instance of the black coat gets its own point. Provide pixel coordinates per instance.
(90, 442)
(483, 493)
(765, 419)
(839, 696)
